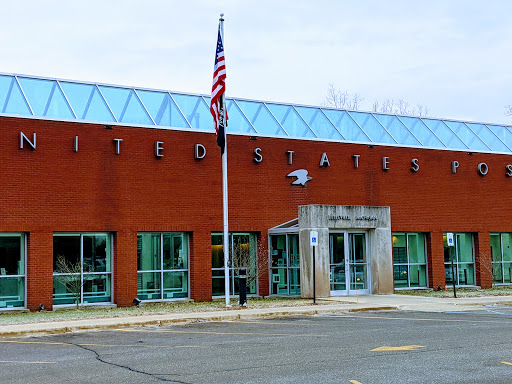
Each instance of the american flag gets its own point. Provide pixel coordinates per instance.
(217, 109)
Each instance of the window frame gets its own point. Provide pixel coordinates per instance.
(288, 267)
(253, 236)
(109, 245)
(408, 264)
(23, 249)
(456, 262)
(161, 271)
(501, 262)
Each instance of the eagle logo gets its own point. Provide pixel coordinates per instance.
(301, 175)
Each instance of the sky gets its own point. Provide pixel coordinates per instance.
(452, 56)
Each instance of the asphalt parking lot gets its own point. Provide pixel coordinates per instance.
(365, 347)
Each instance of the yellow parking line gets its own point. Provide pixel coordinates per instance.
(506, 362)
(28, 362)
(354, 382)
(220, 333)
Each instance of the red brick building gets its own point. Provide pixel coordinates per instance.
(139, 211)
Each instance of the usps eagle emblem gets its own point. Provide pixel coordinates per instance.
(301, 175)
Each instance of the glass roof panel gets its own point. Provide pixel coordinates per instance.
(195, 110)
(397, 129)
(237, 122)
(162, 109)
(504, 133)
(346, 125)
(11, 97)
(87, 102)
(420, 129)
(488, 137)
(290, 120)
(372, 127)
(125, 105)
(319, 123)
(260, 118)
(45, 98)
(466, 135)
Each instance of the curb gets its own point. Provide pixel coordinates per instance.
(70, 326)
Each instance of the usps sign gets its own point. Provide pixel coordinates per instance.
(313, 236)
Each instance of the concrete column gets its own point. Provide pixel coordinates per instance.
(381, 262)
(322, 258)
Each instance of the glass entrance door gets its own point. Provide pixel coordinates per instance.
(348, 264)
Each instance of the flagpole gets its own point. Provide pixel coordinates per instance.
(225, 187)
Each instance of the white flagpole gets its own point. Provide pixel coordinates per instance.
(225, 186)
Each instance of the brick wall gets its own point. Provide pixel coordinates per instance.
(55, 189)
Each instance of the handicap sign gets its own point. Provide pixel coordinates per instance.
(449, 239)
(313, 236)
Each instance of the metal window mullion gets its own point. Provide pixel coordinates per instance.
(81, 268)
(106, 103)
(330, 122)
(179, 109)
(50, 96)
(457, 136)
(485, 125)
(478, 137)
(66, 98)
(408, 260)
(161, 265)
(307, 125)
(287, 264)
(428, 128)
(24, 96)
(277, 121)
(143, 106)
(245, 116)
(362, 130)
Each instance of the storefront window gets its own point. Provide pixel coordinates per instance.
(463, 259)
(501, 251)
(410, 260)
(162, 266)
(285, 264)
(12, 270)
(242, 256)
(82, 271)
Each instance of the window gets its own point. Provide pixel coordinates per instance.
(463, 259)
(285, 264)
(12, 270)
(242, 256)
(410, 260)
(501, 252)
(82, 272)
(162, 266)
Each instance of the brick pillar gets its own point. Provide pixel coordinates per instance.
(200, 266)
(263, 265)
(435, 257)
(483, 259)
(40, 270)
(125, 268)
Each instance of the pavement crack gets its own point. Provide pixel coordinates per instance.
(154, 376)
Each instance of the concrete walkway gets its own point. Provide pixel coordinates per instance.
(330, 305)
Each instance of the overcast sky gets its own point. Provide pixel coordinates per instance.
(455, 57)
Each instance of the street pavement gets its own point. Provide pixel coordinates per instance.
(331, 305)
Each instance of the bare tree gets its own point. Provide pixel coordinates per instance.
(71, 276)
(356, 102)
(343, 100)
(508, 110)
(336, 98)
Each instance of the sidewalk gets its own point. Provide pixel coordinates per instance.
(330, 305)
